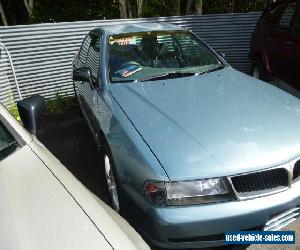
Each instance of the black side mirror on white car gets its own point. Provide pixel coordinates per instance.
(30, 110)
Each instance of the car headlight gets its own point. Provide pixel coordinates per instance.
(188, 192)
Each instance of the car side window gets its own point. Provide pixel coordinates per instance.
(93, 56)
(271, 14)
(296, 28)
(7, 143)
(286, 18)
(194, 52)
(84, 49)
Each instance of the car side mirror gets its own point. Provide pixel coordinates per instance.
(82, 74)
(222, 54)
(30, 110)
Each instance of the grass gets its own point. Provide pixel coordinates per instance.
(55, 105)
(12, 107)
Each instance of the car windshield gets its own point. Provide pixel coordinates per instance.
(7, 142)
(146, 56)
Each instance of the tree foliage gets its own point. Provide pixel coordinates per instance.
(35, 11)
(74, 10)
(14, 12)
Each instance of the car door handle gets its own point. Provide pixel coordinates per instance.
(288, 43)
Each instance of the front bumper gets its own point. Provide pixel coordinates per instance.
(204, 225)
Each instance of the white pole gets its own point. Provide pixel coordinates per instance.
(12, 68)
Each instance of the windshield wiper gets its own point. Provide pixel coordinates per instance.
(219, 67)
(167, 75)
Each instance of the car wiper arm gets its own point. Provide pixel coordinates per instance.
(219, 67)
(172, 74)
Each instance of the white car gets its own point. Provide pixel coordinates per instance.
(42, 205)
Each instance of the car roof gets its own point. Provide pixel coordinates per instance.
(136, 27)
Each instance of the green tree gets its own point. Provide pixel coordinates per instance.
(140, 6)
(30, 5)
(74, 10)
(193, 7)
(35, 11)
(232, 6)
(13, 12)
(3, 15)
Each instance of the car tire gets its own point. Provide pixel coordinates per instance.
(259, 71)
(112, 181)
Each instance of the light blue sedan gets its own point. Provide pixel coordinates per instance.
(192, 148)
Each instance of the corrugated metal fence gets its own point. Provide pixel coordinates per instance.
(6, 94)
(42, 53)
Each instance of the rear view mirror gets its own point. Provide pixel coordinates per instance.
(82, 74)
(30, 110)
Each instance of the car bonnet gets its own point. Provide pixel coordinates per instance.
(218, 124)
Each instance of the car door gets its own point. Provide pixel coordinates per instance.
(276, 46)
(292, 55)
(87, 93)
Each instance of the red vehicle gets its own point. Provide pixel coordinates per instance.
(275, 49)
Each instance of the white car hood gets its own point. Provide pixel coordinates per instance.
(45, 207)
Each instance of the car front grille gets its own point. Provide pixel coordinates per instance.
(260, 183)
(296, 172)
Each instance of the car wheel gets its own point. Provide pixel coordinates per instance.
(258, 71)
(112, 181)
